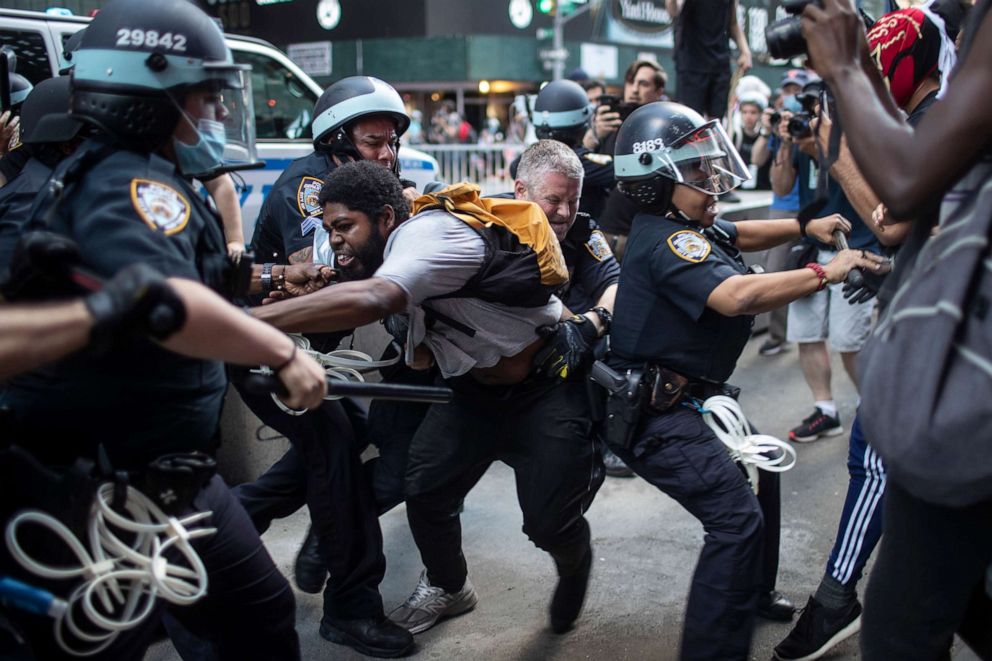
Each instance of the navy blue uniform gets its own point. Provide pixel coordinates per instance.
(141, 401)
(592, 268)
(670, 269)
(16, 200)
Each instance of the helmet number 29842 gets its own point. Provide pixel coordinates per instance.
(137, 38)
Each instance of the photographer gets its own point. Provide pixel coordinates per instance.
(815, 319)
(933, 560)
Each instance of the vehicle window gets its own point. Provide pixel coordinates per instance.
(283, 105)
(32, 57)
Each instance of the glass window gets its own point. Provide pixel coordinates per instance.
(32, 57)
(283, 105)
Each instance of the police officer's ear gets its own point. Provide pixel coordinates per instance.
(520, 190)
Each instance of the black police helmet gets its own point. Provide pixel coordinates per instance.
(561, 112)
(45, 115)
(134, 61)
(20, 88)
(662, 144)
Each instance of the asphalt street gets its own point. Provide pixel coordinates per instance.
(645, 548)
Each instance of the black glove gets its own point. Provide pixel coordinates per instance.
(40, 268)
(569, 350)
(864, 288)
(136, 301)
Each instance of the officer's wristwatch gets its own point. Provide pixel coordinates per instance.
(267, 277)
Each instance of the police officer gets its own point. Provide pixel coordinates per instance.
(357, 118)
(562, 112)
(48, 135)
(12, 159)
(159, 82)
(684, 311)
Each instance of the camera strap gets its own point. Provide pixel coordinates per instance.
(824, 162)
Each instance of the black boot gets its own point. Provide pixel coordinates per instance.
(370, 636)
(310, 570)
(570, 593)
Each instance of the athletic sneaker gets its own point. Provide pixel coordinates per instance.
(818, 630)
(816, 425)
(772, 347)
(430, 604)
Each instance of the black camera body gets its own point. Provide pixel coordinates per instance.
(799, 127)
(615, 104)
(784, 38)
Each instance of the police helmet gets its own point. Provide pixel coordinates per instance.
(662, 144)
(348, 100)
(137, 60)
(561, 112)
(20, 87)
(45, 115)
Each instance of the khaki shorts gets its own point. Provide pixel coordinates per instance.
(827, 316)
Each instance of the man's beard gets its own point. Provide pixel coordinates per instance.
(368, 258)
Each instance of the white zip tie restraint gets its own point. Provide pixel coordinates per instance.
(342, 364)
(121, 580)
(724, 416)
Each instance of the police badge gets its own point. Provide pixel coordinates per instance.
(161, 206)
(690, 246)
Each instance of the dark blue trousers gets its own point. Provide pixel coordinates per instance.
(676, 452)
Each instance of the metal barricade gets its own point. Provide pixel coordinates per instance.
(486, 165)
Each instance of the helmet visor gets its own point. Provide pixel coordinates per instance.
(222, 113)
(707, 161)
(239, 121)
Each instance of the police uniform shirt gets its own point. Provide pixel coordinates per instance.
(591, 265)
(139, 399)
(16, 199)
(597, 182)
(669, 271)
(12, 164)
(291, 213)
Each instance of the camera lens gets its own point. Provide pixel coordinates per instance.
(799, 126)
(785, 39)
(775, 118)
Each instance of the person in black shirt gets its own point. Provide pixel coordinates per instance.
(703, 29)
(685, 308)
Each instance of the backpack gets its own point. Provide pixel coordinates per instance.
(926, 372)
(524, 265)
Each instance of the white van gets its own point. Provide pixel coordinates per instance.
(284, 97)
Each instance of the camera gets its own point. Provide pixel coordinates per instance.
(784, 38)
(799, 127)
(616, 105)
(775, 118)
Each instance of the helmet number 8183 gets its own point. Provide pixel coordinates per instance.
(151, 38)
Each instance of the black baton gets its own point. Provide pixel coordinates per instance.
(854, 277)
(261, 384)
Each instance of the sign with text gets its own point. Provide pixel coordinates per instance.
(313, 57)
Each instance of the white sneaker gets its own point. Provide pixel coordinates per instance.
(428, 605)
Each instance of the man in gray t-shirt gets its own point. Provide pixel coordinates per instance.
(503, 408)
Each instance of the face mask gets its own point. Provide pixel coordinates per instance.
(207, 154)
(791, 103)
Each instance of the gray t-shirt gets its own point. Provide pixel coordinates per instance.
(433, 254)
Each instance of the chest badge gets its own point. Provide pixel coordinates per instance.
(161, 206)
(598, 246)
(306, 200)
(690, 246)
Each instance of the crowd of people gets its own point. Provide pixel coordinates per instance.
(584, 323)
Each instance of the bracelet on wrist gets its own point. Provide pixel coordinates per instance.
(267, 277)
(292, 357)
(820, 273)
(605, 318)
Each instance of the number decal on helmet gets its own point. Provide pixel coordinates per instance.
(654, 144)
(151, 38)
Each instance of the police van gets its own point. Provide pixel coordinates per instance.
(284, 97)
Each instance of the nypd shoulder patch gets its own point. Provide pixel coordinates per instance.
(598, 246)
(306, 197)
(690, 246)
(160, 206)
